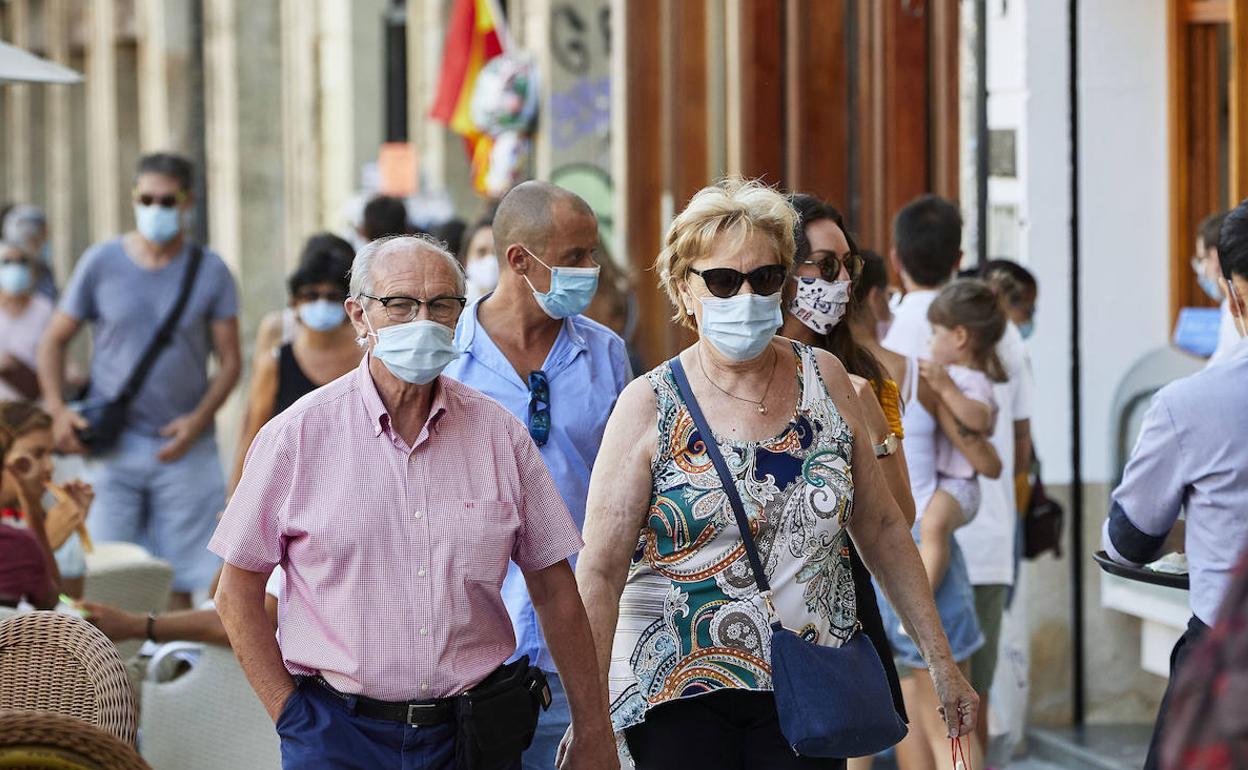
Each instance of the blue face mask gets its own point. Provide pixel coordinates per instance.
(740, 327)
(322, 315)
(1211, 286)
(16, 278)
(157, 224)
(571, 289)
(416, 351)
(1027, 328)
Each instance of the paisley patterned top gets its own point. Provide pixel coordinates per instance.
(691, 618)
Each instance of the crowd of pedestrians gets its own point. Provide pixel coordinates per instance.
(485, 542)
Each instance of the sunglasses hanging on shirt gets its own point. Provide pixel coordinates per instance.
(539, 407)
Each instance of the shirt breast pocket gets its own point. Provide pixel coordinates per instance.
(484, 533)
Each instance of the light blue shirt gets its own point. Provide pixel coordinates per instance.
(587, 367)
(1192, 456)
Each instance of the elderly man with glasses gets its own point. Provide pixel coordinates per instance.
(395, 498)
(527, 346)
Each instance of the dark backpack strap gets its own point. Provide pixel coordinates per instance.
(725, 476)
(165, 333)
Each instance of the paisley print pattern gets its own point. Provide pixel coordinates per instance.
(691, 619)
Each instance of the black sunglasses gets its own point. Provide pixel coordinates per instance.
(725, 282)
(164, 201)
(830, 264)
(539, 407)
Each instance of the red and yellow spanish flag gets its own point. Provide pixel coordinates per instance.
(471, 40)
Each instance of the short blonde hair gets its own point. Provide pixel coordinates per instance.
(735, 207)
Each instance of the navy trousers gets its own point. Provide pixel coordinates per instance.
(320, 730)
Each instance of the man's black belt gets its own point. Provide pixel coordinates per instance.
(415, 713)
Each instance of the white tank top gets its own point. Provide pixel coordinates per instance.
(920, 442)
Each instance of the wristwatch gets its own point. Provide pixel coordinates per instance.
(888, 446)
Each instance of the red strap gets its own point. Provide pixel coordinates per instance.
(956, 752)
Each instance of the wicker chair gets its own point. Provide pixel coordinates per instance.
(63, 664)
(40, 739)
(124, 575)
(184, 719)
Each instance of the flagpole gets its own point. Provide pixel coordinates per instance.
(500, 25)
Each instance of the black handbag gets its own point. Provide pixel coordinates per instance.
(832, 701)
(1042, 521)
(107, 417)
(497, 719)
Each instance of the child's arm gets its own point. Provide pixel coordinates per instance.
(972, 413)
(974, 446)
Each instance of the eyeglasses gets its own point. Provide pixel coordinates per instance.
(725, 282)
(405, 309)
(539, 407)
(312, 295)
(830, 264)
(164, 201)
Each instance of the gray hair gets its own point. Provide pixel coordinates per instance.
(23, 223)
(362, 267)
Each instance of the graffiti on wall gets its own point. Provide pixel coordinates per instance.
(580, 105)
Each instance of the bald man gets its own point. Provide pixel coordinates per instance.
(528, 347)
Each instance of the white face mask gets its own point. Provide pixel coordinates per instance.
(740, 327)
(482, 275)
(820, 304)
(416, 351)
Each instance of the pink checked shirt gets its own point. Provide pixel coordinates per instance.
(394, 555)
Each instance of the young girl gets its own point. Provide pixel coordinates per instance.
(967, 323)
(28, 477)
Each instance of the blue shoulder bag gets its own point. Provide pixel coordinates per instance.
(832, 701)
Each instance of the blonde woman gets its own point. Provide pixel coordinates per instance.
(680, 629)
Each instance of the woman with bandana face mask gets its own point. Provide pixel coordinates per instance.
(322, 347)
(821, 307)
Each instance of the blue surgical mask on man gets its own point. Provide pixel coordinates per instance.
(1027, 328)
(740, 327)
(571, 289)
(322, 315)
(16, 278)
(415, 352)
(158, 224)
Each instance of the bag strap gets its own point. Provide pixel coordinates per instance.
(725, 476)
(165, 333)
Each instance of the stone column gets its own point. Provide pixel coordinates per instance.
(102, 137)
(246, 158)
(426, 32)
(18, 118)
(300, 125)
(154, 131)
(61, 179)
(337, 118)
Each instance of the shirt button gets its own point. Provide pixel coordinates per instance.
(424, 632)
(419, 514)
(421, 573)
(424, 687)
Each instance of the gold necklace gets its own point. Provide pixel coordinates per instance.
(761, 403)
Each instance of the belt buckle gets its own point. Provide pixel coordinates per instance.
(413, 708)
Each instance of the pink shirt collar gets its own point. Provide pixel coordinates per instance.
(379, 416)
